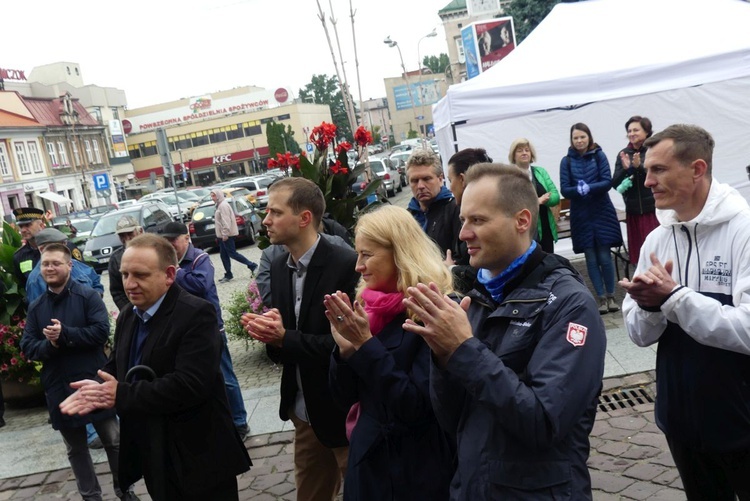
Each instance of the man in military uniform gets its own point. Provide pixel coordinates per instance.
(30, 221)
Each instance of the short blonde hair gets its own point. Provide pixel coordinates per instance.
(421, 157)
(417, 257)
(518, 143)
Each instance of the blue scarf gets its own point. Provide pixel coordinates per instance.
(495, 285)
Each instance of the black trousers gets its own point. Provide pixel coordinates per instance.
(224, 490)
(712, 476)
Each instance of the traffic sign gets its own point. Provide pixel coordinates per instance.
(105, 193)
(309, 147)
(101, 181)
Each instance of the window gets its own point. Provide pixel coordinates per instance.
(76, 153)
(23, 164)
(97, 153)
(199, 138)
(252, 130)
(134, 150)
(36, 162)
(115, 113)
(234, 132)
(182, 143)
(4, 161)
(97, 113)
(52, 154)
(89, 156)
(63, 154)
(148, 148)
(217, 135)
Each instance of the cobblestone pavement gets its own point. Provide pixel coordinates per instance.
(629, 459)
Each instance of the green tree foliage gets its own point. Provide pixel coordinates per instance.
(280, 139)
(376, 136)
(325, 90)
(527, 14)
(436, 64)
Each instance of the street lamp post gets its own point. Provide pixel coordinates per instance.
(393, 43)
(422, 128)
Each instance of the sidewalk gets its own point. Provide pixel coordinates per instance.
(629, 456)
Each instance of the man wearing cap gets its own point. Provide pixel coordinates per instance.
(196, 275)
(81, 273)
(30, 221)
(127, 229)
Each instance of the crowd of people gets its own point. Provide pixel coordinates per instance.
(450, 354)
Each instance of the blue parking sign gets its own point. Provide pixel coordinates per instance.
(101, 181)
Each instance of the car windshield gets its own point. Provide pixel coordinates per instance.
(377, 167)
(187, 196)
(107, 224)
(84, 225)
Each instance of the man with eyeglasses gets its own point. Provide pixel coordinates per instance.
(127, 229)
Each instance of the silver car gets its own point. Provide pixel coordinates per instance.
(388, 173)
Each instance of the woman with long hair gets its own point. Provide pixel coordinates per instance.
(629, 179)
(522, 154)
(585, 180)
(380, 372)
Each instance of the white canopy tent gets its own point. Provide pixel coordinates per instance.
(602, 61)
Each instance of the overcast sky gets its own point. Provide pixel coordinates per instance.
(162, 50)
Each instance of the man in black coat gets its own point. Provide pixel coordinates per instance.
(176, 428)
(298, 334)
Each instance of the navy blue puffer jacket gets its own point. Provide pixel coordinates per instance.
(593, 220)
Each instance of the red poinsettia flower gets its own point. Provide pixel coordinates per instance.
(323, 135)
(362, 136)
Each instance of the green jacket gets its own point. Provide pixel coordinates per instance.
(540, 174)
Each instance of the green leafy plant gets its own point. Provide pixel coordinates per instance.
(13, 362)
(240, 303)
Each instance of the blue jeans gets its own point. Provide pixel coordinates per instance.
(232, 386)
(228, 251)
(601, 270)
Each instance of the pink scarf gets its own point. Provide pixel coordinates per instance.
(381, 308)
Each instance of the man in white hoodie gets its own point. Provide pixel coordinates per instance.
(226, 231)
(691, 294)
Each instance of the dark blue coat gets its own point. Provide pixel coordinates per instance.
(397, 450)
(593, 220)
(521, 394)
(85, 330)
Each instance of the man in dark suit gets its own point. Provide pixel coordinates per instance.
(176, 430)
(297, 333)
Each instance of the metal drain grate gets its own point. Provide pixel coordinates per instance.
(624, 398)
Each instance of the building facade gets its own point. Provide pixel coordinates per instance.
(410, 98)
(214, 137)
(52, 155)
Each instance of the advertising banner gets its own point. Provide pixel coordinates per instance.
(486, 43)
(423, 93)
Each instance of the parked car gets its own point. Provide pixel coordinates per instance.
(257, 185)
(203, 225)
(100, 210)
(176, 205)
(401, 147)
(276, 173)
(152, 215)
(361, 183)
(122, 204)
(200, 191)
(399, 159)
(390, 176)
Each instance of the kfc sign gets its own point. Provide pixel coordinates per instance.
(222, 158)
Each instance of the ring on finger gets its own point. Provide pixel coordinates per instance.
(340, 318)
